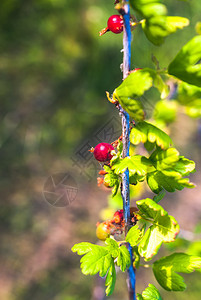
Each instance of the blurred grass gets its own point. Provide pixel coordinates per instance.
(54, 70)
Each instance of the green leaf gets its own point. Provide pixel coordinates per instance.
(96, 261)
(195, 110)
(185, 65)
(159, 197)
(112, 180)
(166, 111)
(134, 86)
(148, 8)
(139, 297)
(159, 27)
(138, 82)
(164, 159)
(133, 107)
(188, 93)
(195, 249)
(158, 181)
(144, 131)
(184, 166)
(198, 27)
(82, 248)
(115, 201)
(110, 280)
(121, 253)
(136, 256)
(170, 169)
(112, 247)
(150, 293)
(164, 229)
(166, 269)
(171, 164)
(123, 259)
(190, 96)
(136, 164)
(133, 236)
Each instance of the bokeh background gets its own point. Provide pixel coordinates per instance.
(54, 71)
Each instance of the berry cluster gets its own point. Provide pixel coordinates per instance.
(115, 226)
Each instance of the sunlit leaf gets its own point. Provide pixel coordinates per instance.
(133, 107)
(144, 131)
(164, 159)
(185, 65)
(184, 166)
(159, 197)
(136, 256)
(136, 164)
(188, 93)
(134, 86)
(166, 111)
(150, 293)
(112, 180)
(112, 247)
(123, 259)
(195, 249)
(166, 269)
(98, 260)
(110, 280)
(198, 27)
(82, 248)
(138, 82)
(190, 96)
(158, 181)
(133, 236)
(148, 8)
(159, 27)
(164, 228)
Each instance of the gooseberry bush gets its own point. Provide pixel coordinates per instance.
(133, 235)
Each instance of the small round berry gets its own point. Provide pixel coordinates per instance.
(102, 231)
(115, 23)
(118, 216)
(135, 70)
(102, 152)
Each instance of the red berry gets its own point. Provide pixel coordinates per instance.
(136, 69)
(115, 23)
(102, 231)
(102, 152)
(118, 216)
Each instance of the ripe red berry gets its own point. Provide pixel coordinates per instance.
(118, 216)
(115, 24)
(102, 152)
(136, 69)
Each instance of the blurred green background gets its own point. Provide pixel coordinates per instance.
(54, 71)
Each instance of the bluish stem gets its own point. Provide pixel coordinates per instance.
(127, 40)
(131, 275)
(125, 191)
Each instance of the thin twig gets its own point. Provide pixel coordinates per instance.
(125, 192)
